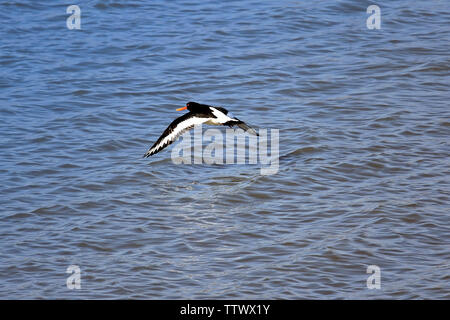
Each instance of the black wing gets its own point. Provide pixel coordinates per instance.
(242, 125)
(173, 131)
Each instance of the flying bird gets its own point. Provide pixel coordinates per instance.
(198, 114)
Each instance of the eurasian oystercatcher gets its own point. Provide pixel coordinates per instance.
(198, 114)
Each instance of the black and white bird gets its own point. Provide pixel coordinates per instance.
(198, 114)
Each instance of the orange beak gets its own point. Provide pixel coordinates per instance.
(184, 108)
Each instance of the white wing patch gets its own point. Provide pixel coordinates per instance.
(221, 117)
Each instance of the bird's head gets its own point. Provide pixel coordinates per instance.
(191, 106)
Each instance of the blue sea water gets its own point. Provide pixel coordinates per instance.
(363, 119)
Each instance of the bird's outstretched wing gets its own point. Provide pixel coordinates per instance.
(173, 131)
(242, 125)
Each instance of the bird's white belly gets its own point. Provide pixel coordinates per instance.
(214, 122)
